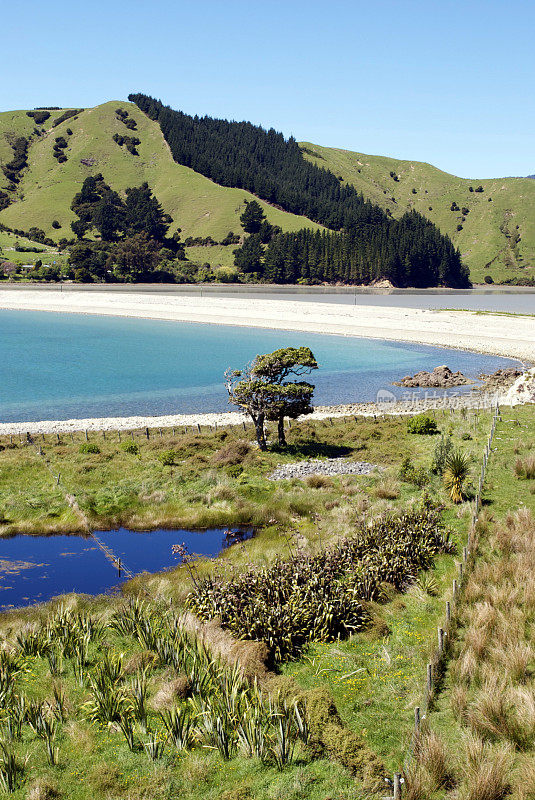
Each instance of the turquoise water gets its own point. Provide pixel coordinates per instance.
(62, 366)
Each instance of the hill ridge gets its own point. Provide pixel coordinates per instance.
(489, 242)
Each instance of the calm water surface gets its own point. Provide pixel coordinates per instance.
(36, 568)
(63, 366)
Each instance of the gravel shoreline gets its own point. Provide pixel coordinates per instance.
(198, 422)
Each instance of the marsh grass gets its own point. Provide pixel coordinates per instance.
(375, 678)
(487, 711)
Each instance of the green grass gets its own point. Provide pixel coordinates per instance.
(197, 205)
(376, 677)
(9, 241)
(486, 241)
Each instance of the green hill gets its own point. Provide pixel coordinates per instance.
(498, 230)
(496, 237)
(198, 206)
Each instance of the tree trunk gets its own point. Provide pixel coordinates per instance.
(282, 437)
(260, 433)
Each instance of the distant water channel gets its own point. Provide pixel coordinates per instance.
(36, 568)
(64, 366)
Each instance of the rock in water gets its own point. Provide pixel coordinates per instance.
(442, 377)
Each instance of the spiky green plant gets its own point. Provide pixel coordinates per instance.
(55, 660)
(456, 471)
(138, 697)
(252, 734)
(154, 746)
(284, 744)
(59, 707)
(11, 770)
(126, 724)
(179, 727)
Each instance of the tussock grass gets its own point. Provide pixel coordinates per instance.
(525, 468)
(486, 770)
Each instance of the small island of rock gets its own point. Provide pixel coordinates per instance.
(441, 377)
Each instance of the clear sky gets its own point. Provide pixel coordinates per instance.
(450, 82)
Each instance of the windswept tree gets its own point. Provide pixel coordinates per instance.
(263, 389)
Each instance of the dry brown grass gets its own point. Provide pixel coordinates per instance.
(232, 453)
(525, 780)
(432, 755)
(43, 789)
(525, 468)
(419, 784)
(168, 692)
(387, 489)
(252, 657)
(486, 770)
(492, 677)
(459, 700)
(318, 481)
(514, 658)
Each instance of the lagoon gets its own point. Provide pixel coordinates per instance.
(64, 366)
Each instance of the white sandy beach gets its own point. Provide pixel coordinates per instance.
(510, 336)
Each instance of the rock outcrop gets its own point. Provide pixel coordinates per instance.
(440, 378)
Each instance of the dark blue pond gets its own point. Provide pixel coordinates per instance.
(36, 568)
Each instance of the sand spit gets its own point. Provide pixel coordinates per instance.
(510, 336)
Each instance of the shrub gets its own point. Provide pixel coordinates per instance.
(411, 474)
(442, 450)
(38, 116)
(234, 470)
(489, 279)
(422, 424)
(56, 224)
(89, 447)
(167, 457)
(130, 447)
(320, 597)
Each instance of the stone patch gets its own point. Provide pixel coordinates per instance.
(329, 466)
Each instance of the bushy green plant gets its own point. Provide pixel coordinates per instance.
(456, 469)
(234, 471)
(411, 474)
(130, 447)
(167, 457)
(422, 424)
(443, 450)
(89, 447)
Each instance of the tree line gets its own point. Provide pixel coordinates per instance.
(371, 244)
(406, 252)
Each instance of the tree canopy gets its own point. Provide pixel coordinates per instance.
(133, 242)
(263, 391)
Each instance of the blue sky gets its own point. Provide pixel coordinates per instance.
(443, 81)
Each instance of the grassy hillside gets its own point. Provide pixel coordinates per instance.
(498, 232)
(497, 235)
(197, 205)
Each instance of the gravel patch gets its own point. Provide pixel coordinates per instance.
(329, 466)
